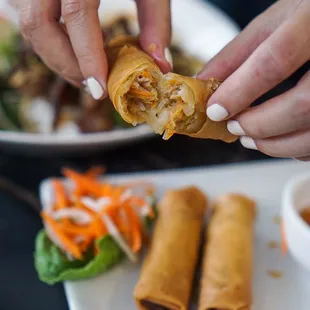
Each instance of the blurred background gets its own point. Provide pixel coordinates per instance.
(36, 106)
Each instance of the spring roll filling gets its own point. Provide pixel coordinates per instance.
(161, 102)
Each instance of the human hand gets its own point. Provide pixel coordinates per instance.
(75, 49)
(269, 50)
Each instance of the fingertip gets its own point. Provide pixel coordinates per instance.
(248, 143)
(95, 88)
(216, 112)
(161, 55)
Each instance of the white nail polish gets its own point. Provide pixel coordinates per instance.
(95, 88)
(234, 127)
(248, 143)
(168, 56)
(216, 112)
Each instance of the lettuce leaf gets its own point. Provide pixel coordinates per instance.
(53, 265)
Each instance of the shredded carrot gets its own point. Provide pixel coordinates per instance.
(139, 92)
(106, 190)
(141, 203)
(284, 247)
(60, 194)
(136, 238)
(70, 246)
(147, 75)
(84, 182)
(94, 172)
(76, 237)
(72, 229)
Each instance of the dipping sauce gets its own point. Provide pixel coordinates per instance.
(305, 214)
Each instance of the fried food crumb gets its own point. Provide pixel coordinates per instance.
(277, 219)
(272, 244)
(276, 274)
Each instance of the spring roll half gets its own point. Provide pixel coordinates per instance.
(170, 103)
(166, 278)
(226, 282)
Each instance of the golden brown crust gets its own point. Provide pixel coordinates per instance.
(168, 270)
(126, 60)
(226, 282)
(129, 62)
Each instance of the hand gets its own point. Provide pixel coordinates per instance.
(75, 50)
(268, 51)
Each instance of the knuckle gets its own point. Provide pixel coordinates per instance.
(69, 72)
(30, 23)
(270, 66)
(257, 131)
(253, 124)
(73, 11)
(87, 58)
(72, 8)
(301, 110)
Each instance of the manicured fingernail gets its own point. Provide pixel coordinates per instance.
(234, 127)
(95, 88)
(168, 56)
(216, 112)
(248, 143)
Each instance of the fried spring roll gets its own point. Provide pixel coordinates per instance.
(166, 278)
(226, 282)
(169, 103)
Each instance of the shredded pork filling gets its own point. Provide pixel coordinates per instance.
(162, 107)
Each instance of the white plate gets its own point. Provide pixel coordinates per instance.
(262, 181)
(200, 28)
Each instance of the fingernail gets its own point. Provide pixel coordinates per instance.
(168, 56)
(216, 112)
(95, 88)
(84, 82)
(234, 127)
(248, 143)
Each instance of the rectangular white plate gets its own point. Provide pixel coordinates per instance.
(264, 182)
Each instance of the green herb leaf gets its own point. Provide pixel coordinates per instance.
(53, 265)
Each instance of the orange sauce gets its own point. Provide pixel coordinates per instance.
(305, 214)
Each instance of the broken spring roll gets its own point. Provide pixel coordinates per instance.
(170, 103)
(167, 274)
(226, 282)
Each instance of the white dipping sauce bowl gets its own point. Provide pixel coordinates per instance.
(296, 197)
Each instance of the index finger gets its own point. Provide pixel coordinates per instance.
(273, 61)
(83, 25)
(155, 23)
